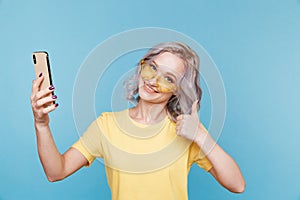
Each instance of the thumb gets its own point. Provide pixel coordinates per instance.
(194, 108)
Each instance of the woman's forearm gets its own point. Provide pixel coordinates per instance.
(225, 169)
(51, 159)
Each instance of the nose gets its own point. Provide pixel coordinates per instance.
(153, 81)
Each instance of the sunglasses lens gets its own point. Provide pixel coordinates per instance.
(165, 86)
(148, 73)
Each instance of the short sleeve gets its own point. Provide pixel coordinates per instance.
(197, 156)
(80, 147)
(89, 144)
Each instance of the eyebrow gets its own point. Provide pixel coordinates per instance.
(171, 74)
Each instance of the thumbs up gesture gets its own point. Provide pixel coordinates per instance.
(187, 125)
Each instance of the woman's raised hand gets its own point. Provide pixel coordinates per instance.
(41, 101)
(188, 125)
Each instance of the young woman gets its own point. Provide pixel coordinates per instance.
(148, 149)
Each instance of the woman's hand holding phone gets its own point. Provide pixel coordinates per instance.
(42, 101)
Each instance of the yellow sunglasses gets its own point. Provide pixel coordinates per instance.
(164, 82)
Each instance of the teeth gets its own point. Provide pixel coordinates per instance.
(149, 88)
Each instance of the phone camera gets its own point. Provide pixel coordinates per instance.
(34, 59)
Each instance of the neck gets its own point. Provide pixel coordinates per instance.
(148, 113)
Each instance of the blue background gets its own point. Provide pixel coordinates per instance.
(255, 45)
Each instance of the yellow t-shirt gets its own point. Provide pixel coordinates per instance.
(142, 162)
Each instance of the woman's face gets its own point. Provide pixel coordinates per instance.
(169, 68)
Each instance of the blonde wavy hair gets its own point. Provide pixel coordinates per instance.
(189, 89)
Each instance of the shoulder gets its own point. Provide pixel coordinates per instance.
(109, 117)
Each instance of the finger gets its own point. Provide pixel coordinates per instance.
(36, 83)
(43, 101)
(178, 123)
(45, 92)
(50, 108)
(184, 117)
(195, 108)
(179, 117)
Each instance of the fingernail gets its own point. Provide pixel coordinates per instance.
(51, 87)
(56, 105)
(40, 74)
(54, 97)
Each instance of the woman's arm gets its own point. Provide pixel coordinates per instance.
(56, 166)
(225, 170)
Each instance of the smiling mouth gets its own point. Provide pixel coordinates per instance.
(149, 89)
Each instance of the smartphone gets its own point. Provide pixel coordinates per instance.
(42, 65)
